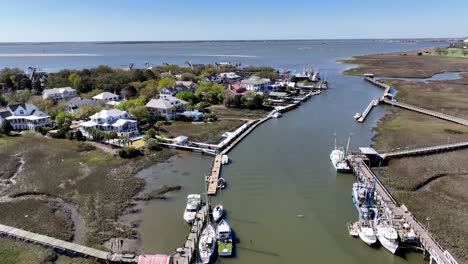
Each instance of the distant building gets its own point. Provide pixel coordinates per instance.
(466, 41)
(59, 93)
(237, 88)
(113, 120)
(189, 85)
(227, 77)
(167, 106)
(257, 84)
(106, 96)
(24, 117)
(77, 102)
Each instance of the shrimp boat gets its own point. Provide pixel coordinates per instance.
(207, 244)
(218, 212)
(224, 237)
(386, 234)
(338, 158)
(365, 232)
(193, 204)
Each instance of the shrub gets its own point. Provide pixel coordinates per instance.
(60, 133)
(85, 147)
(153, 145)
(43, 130)
(129, 152)
(151, 133)
(79, 136)
(70, 135)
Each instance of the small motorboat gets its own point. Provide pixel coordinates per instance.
(207, 244)
(277, 115)
(357, 116)
(221, 183)
(224, 237)
(193, 204)
(353, 229)
(218, 212)
(224, 159)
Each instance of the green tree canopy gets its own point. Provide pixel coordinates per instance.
(166, 82)
(75, 80)
(211, 92)
(189, 97)
(64, 120)
(125, 106)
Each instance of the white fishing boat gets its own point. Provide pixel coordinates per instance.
(357, 116)
(277, 115)
(315, 77)
(218, 212)
(224, 159)
(193, 204)
(366, 233)
(386, 234)
(207, 244)
(338, 159)
(353, 229)
(224, 237)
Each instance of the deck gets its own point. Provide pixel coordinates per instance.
(435, 250)
(214, 176)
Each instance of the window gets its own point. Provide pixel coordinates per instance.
(21, 112)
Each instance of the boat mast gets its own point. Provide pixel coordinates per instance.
(347, 145)
(334, 134)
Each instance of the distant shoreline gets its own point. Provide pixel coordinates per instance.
(48, 55)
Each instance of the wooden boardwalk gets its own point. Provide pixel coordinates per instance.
(379, 83)
(65, 247)
(435, 250)
(366, 112)
(189, 148)
(453, 119)
(424, 150)
(214, 176)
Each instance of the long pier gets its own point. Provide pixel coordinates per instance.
(453, 119)
(214, 176)
(65, 247)
(429, 244)
(366, 112)
(379, 83)
(424, 150)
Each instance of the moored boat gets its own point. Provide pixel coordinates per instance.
(353, 229)
(193, 204)
(224, 159)
(224, 237)
(218, 212)
(338, 159)
(386, 234)
(365, 232)
(277, 115)
(207, 244)
(357, 116)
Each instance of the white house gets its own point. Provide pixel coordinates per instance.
(24, 117)
(113, 120)
(257, 84)
(187, 84)
(167, 106)
(59, 93)
(167, 91)
(227, 77)
(106, 96)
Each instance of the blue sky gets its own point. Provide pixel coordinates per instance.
(126, 20)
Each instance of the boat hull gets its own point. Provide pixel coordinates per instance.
(368, 240)
(389, 245)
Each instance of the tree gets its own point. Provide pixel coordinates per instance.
(189, 97)
(23, 96)
(125, 106)
(186, 76)
(211, 92)
(79, 136)
(6, 127)
(88, 110)
(75, 80)
(150, 89)
(166, 82)
(64, 120)
(141, 113)
(151, 133)
(3, 101)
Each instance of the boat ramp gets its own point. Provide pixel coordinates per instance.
(400, 214)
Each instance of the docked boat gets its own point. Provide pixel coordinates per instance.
(365, 232)
(353, 229)
(277, 115)
(224, 237)
(315, 77)
(408, 235)
(193, 204)
(218, 212)
(224, 159)
(386, 234)
(357, 116)
(221, 183)
(207, 244)
(338, 159)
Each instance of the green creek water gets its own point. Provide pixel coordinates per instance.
(279, 172)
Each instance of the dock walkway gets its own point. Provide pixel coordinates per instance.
(214, 176)
(366, 112)
(435, 250)
(379, 83)
(453, 119)
(424, 150)
(68, 248)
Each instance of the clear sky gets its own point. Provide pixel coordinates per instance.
(133, 20)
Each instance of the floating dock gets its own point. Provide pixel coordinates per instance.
(214, 176)
(366, 112)
(401, 213)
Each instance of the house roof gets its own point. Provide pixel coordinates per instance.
(368, 151)
(5, 113)
(184, 83)
(106, 113)
(237, 85)
(255, 80)
(122, 122)
(165, 102)
(105, 95)
(80, 101)
(58, 90)
(13, 107)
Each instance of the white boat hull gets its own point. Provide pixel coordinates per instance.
(388, 237)
(367, 236)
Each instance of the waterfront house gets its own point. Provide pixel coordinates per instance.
(185, 85)
(167, 106)
(106, 96)
(257, 84)
(167, 91)
(59, 93)
(112, 120)
(237, 88)
(77, 102)
(24, 117)
(227, 77)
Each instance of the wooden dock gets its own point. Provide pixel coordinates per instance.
(189, 148)
(424, 150)
(453, 119)
(366, 112)
(214, 176)
(431, 246)
(65, 247)
(186, 255)
(379, 83)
